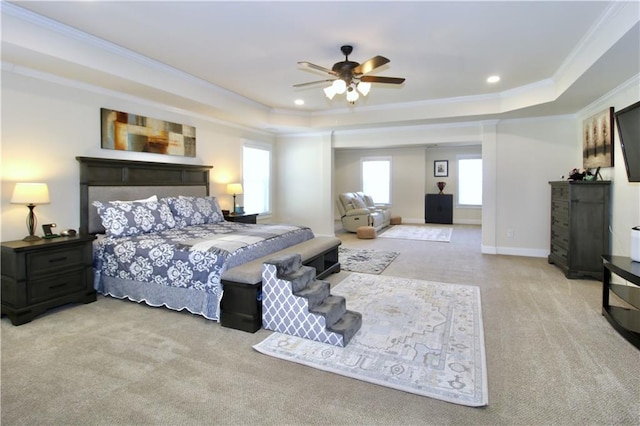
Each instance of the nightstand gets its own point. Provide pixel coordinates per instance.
(242, 218)
(40, 275)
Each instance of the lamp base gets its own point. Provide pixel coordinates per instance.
(31, 238)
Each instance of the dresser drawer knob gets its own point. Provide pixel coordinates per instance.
(58, 259)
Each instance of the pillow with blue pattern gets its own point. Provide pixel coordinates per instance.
(133, 218)
(195, 210)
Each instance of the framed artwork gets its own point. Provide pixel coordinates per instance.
(597, 140)
(441, 168)
(131, 132)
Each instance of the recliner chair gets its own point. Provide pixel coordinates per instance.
(358, 209)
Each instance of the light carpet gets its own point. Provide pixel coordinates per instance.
(418, 232)
(417, 336)
(365, 260)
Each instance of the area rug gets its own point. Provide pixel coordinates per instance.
(365, 260)
(418, 232)
(417, 336)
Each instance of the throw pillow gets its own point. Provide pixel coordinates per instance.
(195, 210)
(133, 218)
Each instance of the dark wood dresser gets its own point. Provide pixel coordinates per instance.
(40, 275)
(438, 208)
(579, 227)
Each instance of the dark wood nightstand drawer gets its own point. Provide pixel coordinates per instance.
(50, 288)
(242, 218)
(45, 262)
(43, 274)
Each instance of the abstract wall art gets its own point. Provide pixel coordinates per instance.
(132, 132)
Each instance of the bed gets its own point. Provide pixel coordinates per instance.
(161, 239)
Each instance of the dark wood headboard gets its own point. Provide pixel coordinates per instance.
(108, 179)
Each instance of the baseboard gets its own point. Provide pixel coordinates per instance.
(514, 251)
(420, 221)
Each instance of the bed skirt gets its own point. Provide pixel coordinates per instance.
(175, 298)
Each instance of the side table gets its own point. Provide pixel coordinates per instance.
(242, 218)
(40, 275)
(625, 321)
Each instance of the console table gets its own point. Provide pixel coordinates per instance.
(625, 320)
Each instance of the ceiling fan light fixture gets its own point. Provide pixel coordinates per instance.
(339, 86)
(329, 92)
(352, 94)
(364, 88)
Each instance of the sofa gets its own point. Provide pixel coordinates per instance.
(358, 209)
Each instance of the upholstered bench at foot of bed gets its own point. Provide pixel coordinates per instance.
(241, 306)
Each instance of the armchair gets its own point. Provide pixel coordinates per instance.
(358, 209)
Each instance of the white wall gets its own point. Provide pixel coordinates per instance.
(530, 153)
(46, 125)
(625, 195)
(304, 182)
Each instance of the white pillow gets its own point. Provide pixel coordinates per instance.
(152, 198)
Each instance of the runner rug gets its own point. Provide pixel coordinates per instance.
(418, 232)
(417, 336)
(365, 260)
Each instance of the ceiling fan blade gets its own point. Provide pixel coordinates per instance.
(317, 67)
(370, 64)
(311, 83)
(378, 79)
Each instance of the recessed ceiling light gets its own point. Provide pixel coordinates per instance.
(493, 79)
(298, 102)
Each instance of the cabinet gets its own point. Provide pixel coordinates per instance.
(40, 275)
(438, 208)
(625, 320)
(242, 218)
(579, 227)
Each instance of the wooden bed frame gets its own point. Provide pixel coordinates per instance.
(104, 179)
(108, 179)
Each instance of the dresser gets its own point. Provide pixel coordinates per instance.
(579, 227)
(438, 208)
(40, 275)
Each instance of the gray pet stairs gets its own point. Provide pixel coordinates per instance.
(294, 302)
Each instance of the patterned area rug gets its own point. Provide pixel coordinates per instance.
(365, 260)
(420, 337)
(418, 232)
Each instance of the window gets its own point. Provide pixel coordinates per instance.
(376, 179)
(470, 181)
(256, 171)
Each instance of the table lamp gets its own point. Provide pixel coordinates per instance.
(30, 194)
(234, 189)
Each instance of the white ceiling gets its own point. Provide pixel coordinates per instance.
(554, 57)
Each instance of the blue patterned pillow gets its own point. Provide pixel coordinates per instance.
(195, 210)
(132, 218)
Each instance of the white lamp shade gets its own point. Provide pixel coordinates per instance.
(30, 193)
(364, 87)
(352, 95)
(339, 86)
(330, 92)
(234, 188)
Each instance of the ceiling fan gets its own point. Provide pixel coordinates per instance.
(347, 76)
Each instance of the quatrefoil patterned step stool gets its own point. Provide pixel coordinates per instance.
(295, 303)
